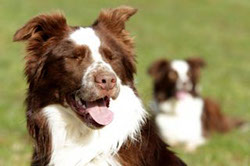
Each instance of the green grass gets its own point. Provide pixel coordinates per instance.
(217, 30)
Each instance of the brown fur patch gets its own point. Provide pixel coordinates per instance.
(38, 129)
(196, 64)
(164, 87)
(214, 120)
(114, 21)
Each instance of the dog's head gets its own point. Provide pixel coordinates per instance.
(175, 78)
(79, 67)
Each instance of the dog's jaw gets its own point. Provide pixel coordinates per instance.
(73, 141)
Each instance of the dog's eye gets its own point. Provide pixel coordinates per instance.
(108, 54)
(79, 53)
(172, 75)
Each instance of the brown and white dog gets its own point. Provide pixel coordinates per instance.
(82, 105)
(182, 115)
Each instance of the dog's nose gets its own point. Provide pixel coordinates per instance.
(106, 81)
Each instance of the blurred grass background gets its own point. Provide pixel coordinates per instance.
(217, 30)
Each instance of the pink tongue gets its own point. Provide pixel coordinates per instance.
(181, 95)
(99, 112)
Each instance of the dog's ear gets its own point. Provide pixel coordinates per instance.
(42, 28)
(196, 62)
(37, 32)
(158, 68)
(114, 19)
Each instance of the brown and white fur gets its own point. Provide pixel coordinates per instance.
(82, 105)
(182, 115)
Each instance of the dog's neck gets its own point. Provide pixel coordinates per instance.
(73, 143)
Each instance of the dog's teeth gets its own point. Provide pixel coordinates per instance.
(77, 99)
(79, 102)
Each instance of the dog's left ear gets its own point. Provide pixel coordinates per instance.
(158, 69)
(196, 62)
(114, 19)
(42, 27)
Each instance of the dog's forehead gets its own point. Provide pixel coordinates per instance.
(87, 36)
(180, 66)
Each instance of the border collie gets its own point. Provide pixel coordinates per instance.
(82, 105)
(182, 115)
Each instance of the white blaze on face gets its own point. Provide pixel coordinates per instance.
(182, 68)
(87, 36)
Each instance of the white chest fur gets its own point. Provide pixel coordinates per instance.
(179, 121)
(74, 144)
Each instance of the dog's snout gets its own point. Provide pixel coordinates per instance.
(106, 81)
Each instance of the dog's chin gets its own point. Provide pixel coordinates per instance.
(94, 113)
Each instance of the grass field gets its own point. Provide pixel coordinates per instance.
(217, 30)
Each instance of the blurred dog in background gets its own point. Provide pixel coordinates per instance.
(183, 116)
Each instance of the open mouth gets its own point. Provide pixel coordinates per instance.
(95, 114)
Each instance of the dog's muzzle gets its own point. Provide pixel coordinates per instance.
(91, 101)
